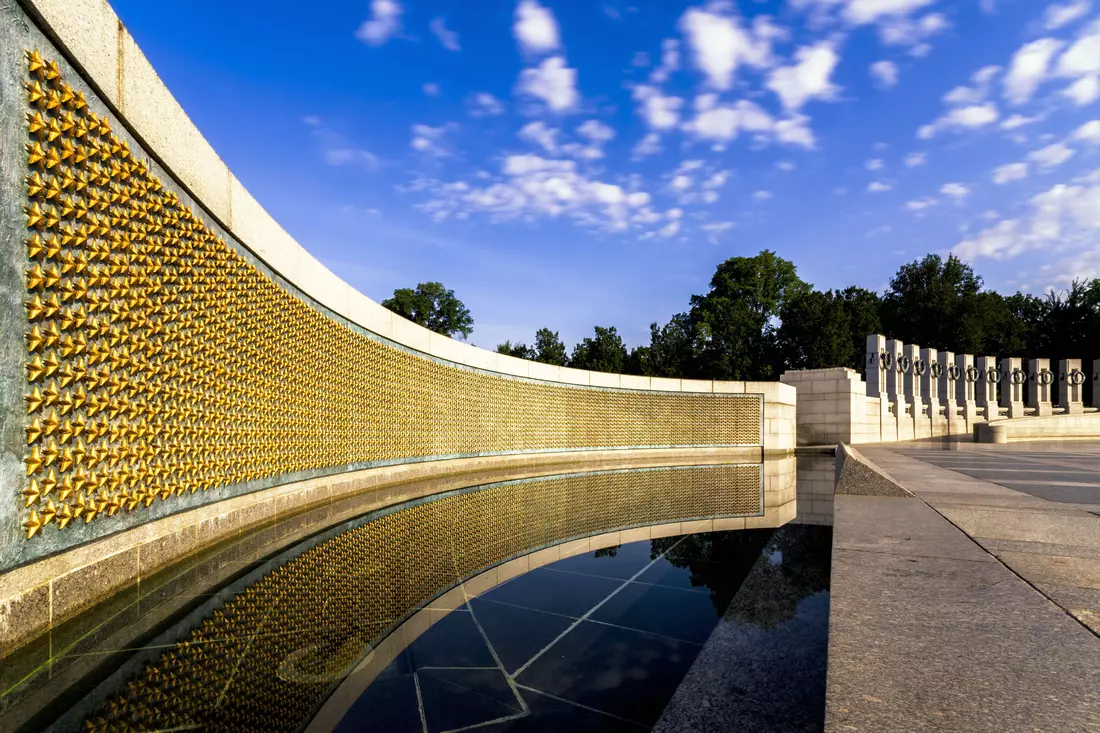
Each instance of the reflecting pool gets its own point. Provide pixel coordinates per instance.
(655, 599)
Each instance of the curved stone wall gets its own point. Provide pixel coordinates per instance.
(167, 349)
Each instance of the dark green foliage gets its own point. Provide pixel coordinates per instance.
(520, 351)
(605, 352)
(433, 306)
(549, 348)
(735, 322)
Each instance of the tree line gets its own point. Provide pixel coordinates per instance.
(759, 319)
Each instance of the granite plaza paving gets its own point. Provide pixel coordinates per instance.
(973, 603)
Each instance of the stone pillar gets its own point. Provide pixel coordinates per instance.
(966, 387)
(914, 395)
(1071, 382)
(988, 378)
(930, 378)
(874, 369)
(1012, 386)
(1041, 385)
(895, 388)
(949, 374)
(1096, 382)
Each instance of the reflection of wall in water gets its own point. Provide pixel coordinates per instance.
(816, 482)
(322, 608)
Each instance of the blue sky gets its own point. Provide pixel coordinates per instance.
(570, 164)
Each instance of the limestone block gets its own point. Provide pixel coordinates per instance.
(322, 285)
(481, 358)
(409, 334)
(445, 347)
(603, 379)
(370, 315)
(513, 365)
(722, 387)
(575, 376)
(633, 381)
(89, 29)
(665, 384)
(696, 385)
(547, 372)
(1012, 388)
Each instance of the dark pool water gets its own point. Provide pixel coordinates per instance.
(517, 606)
(715, 631)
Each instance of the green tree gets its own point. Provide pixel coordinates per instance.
(816, 331)
(736, 319)
(939, 303)
(605, 352)
(520, 351)
(433, 306)
(672, 350)
(863, 307)
(549, 348)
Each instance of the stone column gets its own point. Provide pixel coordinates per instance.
(1012, 386)
(966, 387)
(895, 388)
(1071, 381)
(988, 378)
(1041, 385)
(874, 369)
(949, 374)
(930, 377)
(914, 395)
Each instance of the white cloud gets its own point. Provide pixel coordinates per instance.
(1060, 14)
(385, 22)
(808, 78)
(900, 30)
(669, 230)
(670, 61)
(875, 164)
(429, 140)
(1084, 91)
(878, 187)
(535, 28)
(914, 159)
(1016, 121)
(971, 117)
(978, 92)
(531, 187)
(660, 112)
(795, 131)
(716, 228)
(716, 180)
(785, 165)
(1088, 133)
(1052, 156)
(722, 123)
(448, 39)
(1029, 68)
(885, 73)
(761, 195)
(1062, 217)
(681, 183)
(484, 104)
(648, 145)
(1083, 57)
(596, 131)
(1009, 173)
(552, 82)
(432, 90)
(539, 133)
(955, 190)
(919, 205)
(720, 44)
(337, 150)
(862, 12)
